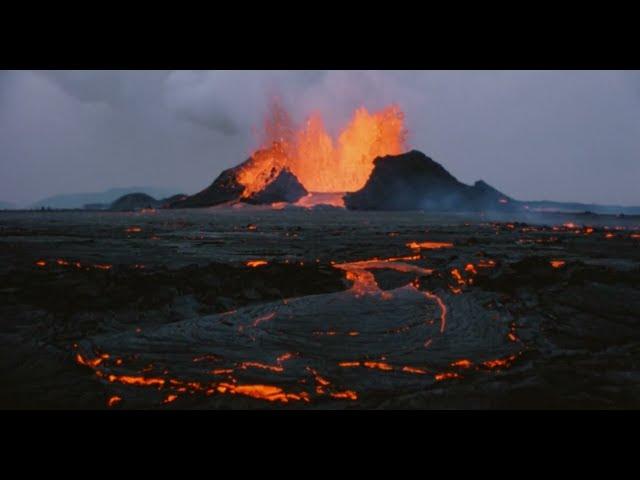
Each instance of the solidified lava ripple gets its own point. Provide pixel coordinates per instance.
(314, 349)
(324, 309)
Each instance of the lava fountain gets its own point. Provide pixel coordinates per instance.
(323, 164)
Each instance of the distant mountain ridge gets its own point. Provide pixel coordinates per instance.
(107, 197)
(582, 207)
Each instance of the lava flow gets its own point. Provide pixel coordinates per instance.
(321, 163)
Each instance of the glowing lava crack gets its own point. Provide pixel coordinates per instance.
(311, 349)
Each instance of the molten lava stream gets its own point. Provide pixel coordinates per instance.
(364, 282)
(318, 198)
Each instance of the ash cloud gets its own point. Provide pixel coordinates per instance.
(568, 136)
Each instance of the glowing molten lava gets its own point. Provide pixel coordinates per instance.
(321, 163)
(429, 245)
(256, 263)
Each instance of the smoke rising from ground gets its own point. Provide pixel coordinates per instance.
(569, 136)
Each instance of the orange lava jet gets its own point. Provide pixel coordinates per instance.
(321, 163)
(114, 400)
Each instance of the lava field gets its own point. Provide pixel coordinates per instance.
(254, 307)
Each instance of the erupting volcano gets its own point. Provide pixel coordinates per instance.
(366, 167)
(319, 163)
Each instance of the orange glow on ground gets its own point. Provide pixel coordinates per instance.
(378, 366)
(499, 362)
(418, 371)
(114, 400)
(256, 263)
(429, 245)
(486, 264)
(470, 268)
(349, 364)
(263, 366)
(464, 363)
(263, 318)
(455, 273)
(446, 376)
(557, 263)
(314, 199)
(347, 394)
(170, 398)
(136, 380)
(264, 392)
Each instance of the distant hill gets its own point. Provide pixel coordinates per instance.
(79, 200)
(134, 201)
(7, 206)
(545, 205)
(413, 181)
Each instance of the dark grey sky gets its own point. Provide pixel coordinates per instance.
(564, 135)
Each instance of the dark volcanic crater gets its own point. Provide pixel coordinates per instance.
(256, 308)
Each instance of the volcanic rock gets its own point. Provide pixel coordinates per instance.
(280, 186)
(225, 188)
(169, 201)
(284, 187)
(413, 181)
(134, 201)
